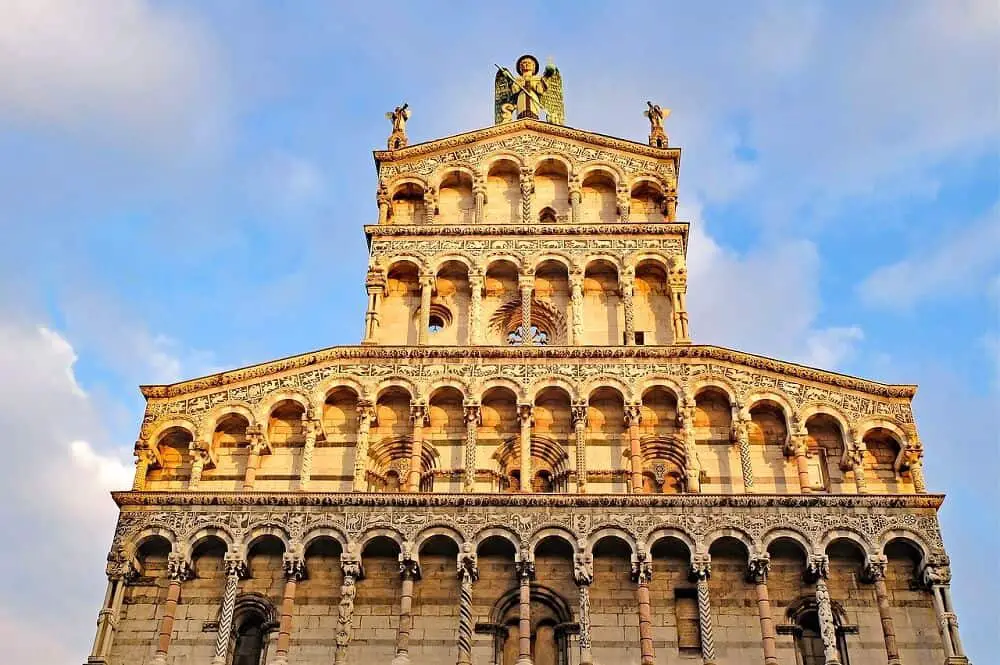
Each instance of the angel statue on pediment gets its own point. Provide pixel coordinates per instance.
(529, 93)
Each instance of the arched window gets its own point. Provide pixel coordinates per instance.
(805, 626)
(254, 619)
(249, 649)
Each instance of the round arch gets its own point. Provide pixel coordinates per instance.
(613, 532)
(394, 185)
(271, 401)
(787, 533)
(677, 533)
(503, 532)
(215, 416)
(178, 422)
(735, 533)
(334, 532)
(552, 531)
(445, 530)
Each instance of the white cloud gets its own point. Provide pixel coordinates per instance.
(957, 263)
(49, 421)
(109, 67)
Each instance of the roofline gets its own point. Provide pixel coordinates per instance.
(694, 351)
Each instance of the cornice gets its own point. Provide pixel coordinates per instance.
(429, 500)
(561, 131)
(467, 353)
(675, 228)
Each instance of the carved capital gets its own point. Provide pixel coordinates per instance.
(468, 562)
(524, 412)
(583, 564)
(937, 572)
(758, 568)
(875, 568)
(701, 566)
(817, 567)
(526, 565)
(473, 414)
(633, 415)
(350, 563)
(293, 564)
(178, 567)
(235, 565)
(418, 414)
(578, 412)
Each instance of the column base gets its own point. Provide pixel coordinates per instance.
(957, 660)
(96, 660)
(525, 660)
(401, 659)
(159, 659)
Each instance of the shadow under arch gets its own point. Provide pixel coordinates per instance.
(551, 624)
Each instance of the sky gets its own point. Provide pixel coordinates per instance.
(183, 185)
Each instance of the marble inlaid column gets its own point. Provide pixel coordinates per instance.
(576, 306)
(295, 569)
(473, 419)
(583, 572)
(375, 287)
(575, 198)
(525, 571)
(677, 282)
(350, 564)
(875, 574)
(628, 299)
(144, 458)
(701, 569)
(524, 416)
(818, 569)
(119, 570)
(256, 446)
(426, 290)
(366, 417)
(757, 571)
(797, 446)
(642, 572)
(476, 308)
(525, 284)
(741, 432)
(468, 573)
(479, 196)
(418, 417)
(633, 416)
(937, 577)
(236, 568)
(409, 570)
(310, 429)
(579, 415)
(178, 570)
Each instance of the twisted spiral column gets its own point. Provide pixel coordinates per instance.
(468, 573)
(701, 569)
(235, 569)
(818, 567)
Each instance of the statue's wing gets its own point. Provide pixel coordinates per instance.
(552, 98)
(501, 95)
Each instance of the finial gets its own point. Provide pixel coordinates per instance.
(656, 115)
(398, 117)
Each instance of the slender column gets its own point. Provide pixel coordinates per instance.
(579, 415)
(856, 457)
(525, 284)
(527, 189)
(628, 291)
(310, 427)
(875, 573)
(375, 287)
(350, 563)
(418, 416)
(741, 422)
(479, 194)
(199, 460)
(575, 197)
(758, 568)
(525, 571)
(430, 205)
(426, 289)
(913, 458)
(366, 416)
(235, 569)
(178, 570)
(937, 577)
(409, 570)
(685, 417)
(701, 569)
(144, 458)
(476, 308)
(623, 201)
(119, 571)
(677, 281)
(671, 205)
(524, 415)
(583, 571)
(256, 446)
(798, 447)
(468, 573)
(642, 572)
(295, 569)
(383, 200)
(818, 568)
(473, 419)
(576, 305)
(633, 416)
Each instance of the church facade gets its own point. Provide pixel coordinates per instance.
(527, 460)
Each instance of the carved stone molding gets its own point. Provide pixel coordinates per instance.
(624, 229)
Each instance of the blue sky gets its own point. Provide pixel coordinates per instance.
(182, 189)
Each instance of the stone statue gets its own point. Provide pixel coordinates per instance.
(398, 117)
(529, 93)
(656, 115)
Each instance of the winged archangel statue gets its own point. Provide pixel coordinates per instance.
(529, 93)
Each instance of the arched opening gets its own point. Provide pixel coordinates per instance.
(499, 424)
(882, 462)
(500, 290)
(826, 448)
(378, 594)
(551, 198)
(450, 307)
(229, 436)
(336, 449)
(174, 468)
(401, 303)
(446, 433)
(391, 437)
(503, 192)
(254, 624)
(606, 443)
(601, 304)
(673, 593)
(435, 606)
(456, 203)
(664, 457)
(322, 556)
(552, 288)
(408, 205)
(613, 590)
(768, 432)
(652, 303)
(720, 460)
(599, 205)
(286, 436)
(646, 203)
(254, 627)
